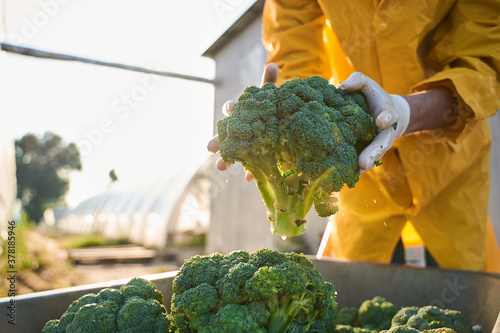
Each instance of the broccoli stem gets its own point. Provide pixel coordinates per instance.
(284, 311)
(291, 204)
(286, 205)
(264, 187)
(290, 213)
(281, 316)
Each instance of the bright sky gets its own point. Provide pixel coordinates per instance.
(142, 126)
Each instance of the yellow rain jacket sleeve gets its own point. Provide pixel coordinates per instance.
(465, 57)
(294, 39)
(438, 180)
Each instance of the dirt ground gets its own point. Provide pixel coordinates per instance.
(51, 269)
(92, 273)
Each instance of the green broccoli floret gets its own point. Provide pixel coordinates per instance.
(301, 141)
(95, 317)
(142, 288)
(137, 314)
(352, 329)
(406, 329)
(265, 291)
(326, 325)
(135, 308)
(401, 329)
(52, 326)
(431, 317)
(194, 307)
(239, 318)
(402, 316)
(347, 316)
(376, 314)
(196, 270)
(59, 325)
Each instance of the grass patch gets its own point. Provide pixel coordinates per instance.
(191, 240)
(90, 240)
(24, 259)
(38, 264)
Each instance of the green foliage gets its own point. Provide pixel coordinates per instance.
(263, 291)
(301, 141)
(88, 240)
(135, 308)
(27, 258)
(41, 167)
(112, 175)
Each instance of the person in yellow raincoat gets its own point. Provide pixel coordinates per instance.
(443, 57)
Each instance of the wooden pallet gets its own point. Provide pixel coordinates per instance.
(115, 253)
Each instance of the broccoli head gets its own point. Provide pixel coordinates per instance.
(401, 329)
(406, 329)
(265, 291)
(136, 307)
(301, 141)
(402, 316)
(138, 313)
(142, 288)
(376, 314)
(239, 318)
(431, 317)
(352, 329)
(347, 316)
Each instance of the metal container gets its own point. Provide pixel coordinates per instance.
(476, 294)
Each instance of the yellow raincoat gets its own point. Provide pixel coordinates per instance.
(438, 180)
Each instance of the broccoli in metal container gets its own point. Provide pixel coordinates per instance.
(352, 329)
(137, 307)
(430, 318)
(406, 329)
(301, 142)
(347, 316)
(265, 291)
(376, 314)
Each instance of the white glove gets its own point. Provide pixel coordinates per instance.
(391, 114)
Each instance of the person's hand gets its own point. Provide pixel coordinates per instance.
(391, 114)
(270, 75)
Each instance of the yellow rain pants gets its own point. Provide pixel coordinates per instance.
(439, 179)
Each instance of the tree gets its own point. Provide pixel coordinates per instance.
(112, 176)
(43, 164)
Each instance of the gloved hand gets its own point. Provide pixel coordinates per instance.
(391, 114)
(270, 75)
